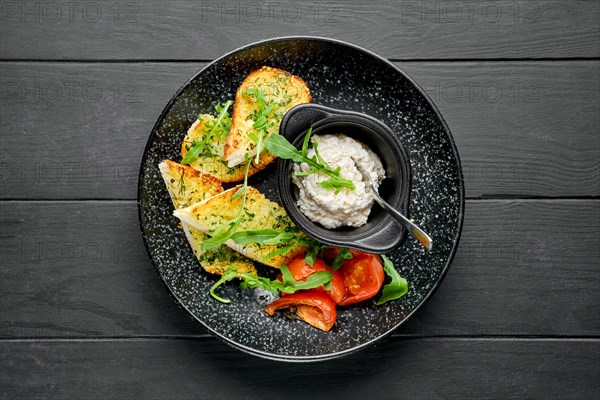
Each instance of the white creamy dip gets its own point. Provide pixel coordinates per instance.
(348, 207)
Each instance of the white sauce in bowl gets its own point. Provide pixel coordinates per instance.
(348, 207)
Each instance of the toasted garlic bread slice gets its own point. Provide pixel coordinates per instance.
(279, 87)
(212, 162)
(260, 213)
(187, 186)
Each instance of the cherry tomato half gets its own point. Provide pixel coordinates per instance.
(363, 276)
(313, 307)
(300, 270)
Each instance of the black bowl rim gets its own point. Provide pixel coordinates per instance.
(456, 240)
(402, 200)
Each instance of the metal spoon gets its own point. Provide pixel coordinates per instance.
(417, 232)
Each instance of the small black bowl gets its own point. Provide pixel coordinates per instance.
(381, 233)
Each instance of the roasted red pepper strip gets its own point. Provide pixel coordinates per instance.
(313, 307)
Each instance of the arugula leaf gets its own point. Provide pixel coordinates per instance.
(286, 275)
(260, 123)
(311, 255)
(289, 285)
(305, 143)
(250, 281)
(222, 114)
(330, 184)
(262, 236)
(269, 109)
(194, 152)
(279, 251)
(226, 277)
(313, 281)
(261, 120)
(320, 159)
(305, 173)
(343, 254)
(219, 127)
(226, 230)
(397, 288)
(309, 242)
(283, 237)
(278, 146)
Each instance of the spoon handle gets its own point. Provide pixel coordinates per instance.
(417, 232)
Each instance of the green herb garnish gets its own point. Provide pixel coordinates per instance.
(214, 130)
(278, 146)
(343, 255)
(289, 285)
(272, 236)
(397, 288)
(226, 230)
(262, 236)
(311, 255)
(278, 252)
(261, 119)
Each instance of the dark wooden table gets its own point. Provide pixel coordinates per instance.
(83, 314)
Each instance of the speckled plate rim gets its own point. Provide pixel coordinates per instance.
(455, 240)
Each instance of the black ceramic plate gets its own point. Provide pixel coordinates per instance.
(341, 76)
